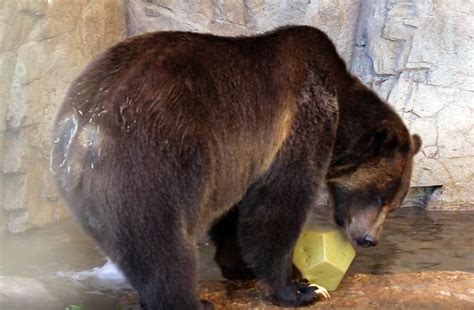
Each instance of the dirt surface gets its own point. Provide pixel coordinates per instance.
(424, 290)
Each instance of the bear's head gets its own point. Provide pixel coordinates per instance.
(371, 178)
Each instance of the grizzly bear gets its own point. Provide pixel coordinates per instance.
(170, 134)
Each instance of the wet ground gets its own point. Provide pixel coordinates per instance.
(58, 263)
(437, 290)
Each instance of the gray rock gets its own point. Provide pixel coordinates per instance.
(420, 56)
(26, 293)
(44, 46)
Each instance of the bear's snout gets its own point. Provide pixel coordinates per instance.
(367, 241)
(364, 234)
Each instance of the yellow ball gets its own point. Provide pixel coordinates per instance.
(323, 256)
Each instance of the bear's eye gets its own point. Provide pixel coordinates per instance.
(380, 200)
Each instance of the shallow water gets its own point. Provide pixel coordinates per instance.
(65, 260)
(416, 240)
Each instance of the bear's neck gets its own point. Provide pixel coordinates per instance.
(360, 110)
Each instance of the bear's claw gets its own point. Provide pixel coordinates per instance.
(319, 290)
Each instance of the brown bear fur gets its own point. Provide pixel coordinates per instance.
(169, 134)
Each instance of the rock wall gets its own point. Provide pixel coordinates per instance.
(240, 17)
(44, 45)
(419, 55)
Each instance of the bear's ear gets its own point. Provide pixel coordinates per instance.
(383, 139)
(416, 143)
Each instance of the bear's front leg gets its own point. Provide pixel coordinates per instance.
(269, 225)
(224, 236)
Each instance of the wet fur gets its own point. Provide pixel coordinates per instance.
(171, 134)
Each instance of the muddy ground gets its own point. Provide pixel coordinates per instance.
(421, 290)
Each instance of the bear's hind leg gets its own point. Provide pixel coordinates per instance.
(224, 236)
(161, 266)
